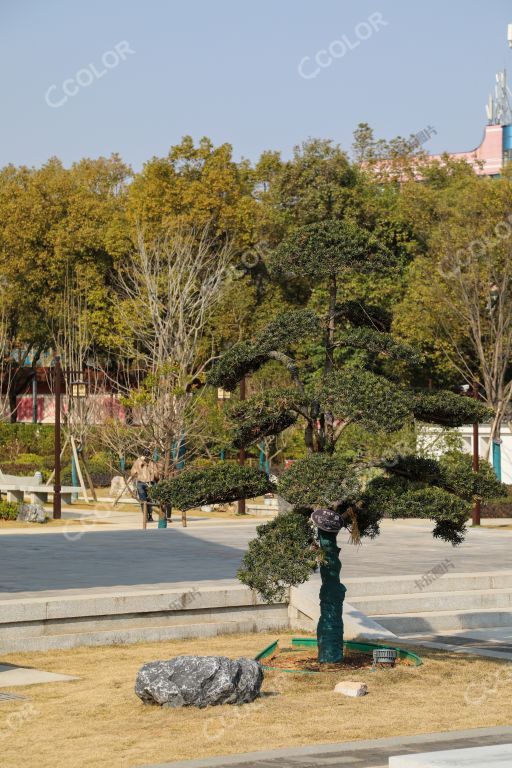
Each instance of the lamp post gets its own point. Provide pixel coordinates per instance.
(78, 392)
(57, 502)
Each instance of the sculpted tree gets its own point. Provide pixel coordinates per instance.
(329, 493)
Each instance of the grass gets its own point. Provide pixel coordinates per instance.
(97, 720)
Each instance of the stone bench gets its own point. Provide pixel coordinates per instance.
(16, 491)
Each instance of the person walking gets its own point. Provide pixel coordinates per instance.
(145, 472)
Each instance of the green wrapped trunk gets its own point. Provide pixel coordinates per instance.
(332, 594)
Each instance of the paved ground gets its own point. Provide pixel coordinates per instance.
(110, 558)
(493, 642)
(362, 754)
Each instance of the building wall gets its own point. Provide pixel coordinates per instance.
(490, 152)
(430, 439)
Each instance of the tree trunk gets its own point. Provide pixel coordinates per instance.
(332, 595)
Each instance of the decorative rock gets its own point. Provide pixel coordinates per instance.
(351, 689)
(31, 513)
(199, 681)
(118, 486)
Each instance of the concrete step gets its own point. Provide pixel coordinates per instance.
(143, 633)
(442, 581)
(434, 601)
(104, 618)
(440, 621)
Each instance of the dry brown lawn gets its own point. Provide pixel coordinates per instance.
(98, 721)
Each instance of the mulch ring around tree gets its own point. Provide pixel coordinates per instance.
(307, 660)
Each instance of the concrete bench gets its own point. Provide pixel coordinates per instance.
(25, 480)
(16, 491)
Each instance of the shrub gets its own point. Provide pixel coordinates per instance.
(497, 507)
(100, 470)
(8, 511)
(26, 438)
(24, 470)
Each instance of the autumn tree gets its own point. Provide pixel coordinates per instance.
(458, 304)
(55, 223)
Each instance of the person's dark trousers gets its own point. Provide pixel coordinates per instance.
(142, 493)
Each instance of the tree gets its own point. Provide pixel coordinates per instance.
(331, 491)
(463, 317)
(167, 290)
(55, 224)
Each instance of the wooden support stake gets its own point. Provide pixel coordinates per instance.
(144, 515)
(50, 479)
(79, 471)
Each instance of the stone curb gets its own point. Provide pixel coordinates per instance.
(326, 749)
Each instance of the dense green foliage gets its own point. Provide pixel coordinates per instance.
(363, 396)
(319, 480)
(448, 409)
(220, 483)
(280, 556)
(248, 356)
(266, 414)
(325, 249)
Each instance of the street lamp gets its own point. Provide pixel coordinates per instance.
(78, 389)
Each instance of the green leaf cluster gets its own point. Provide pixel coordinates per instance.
(448, 409)
(220, 483)
(268, 413)
(280, 556)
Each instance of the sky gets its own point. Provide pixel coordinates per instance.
(92, 77)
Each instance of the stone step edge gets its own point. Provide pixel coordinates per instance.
(364, 599)
(143, 634)
(79, 606)
(431, 614)
(471, 581)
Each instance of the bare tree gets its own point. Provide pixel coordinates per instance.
(84, 393)
(167, 292)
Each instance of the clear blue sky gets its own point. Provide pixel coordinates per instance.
(228, 69)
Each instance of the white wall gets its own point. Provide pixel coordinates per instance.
(432, 437)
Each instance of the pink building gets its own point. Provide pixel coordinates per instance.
(490, 156)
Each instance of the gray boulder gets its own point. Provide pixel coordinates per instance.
(119, 486)
(199, 681)
(31, 513)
